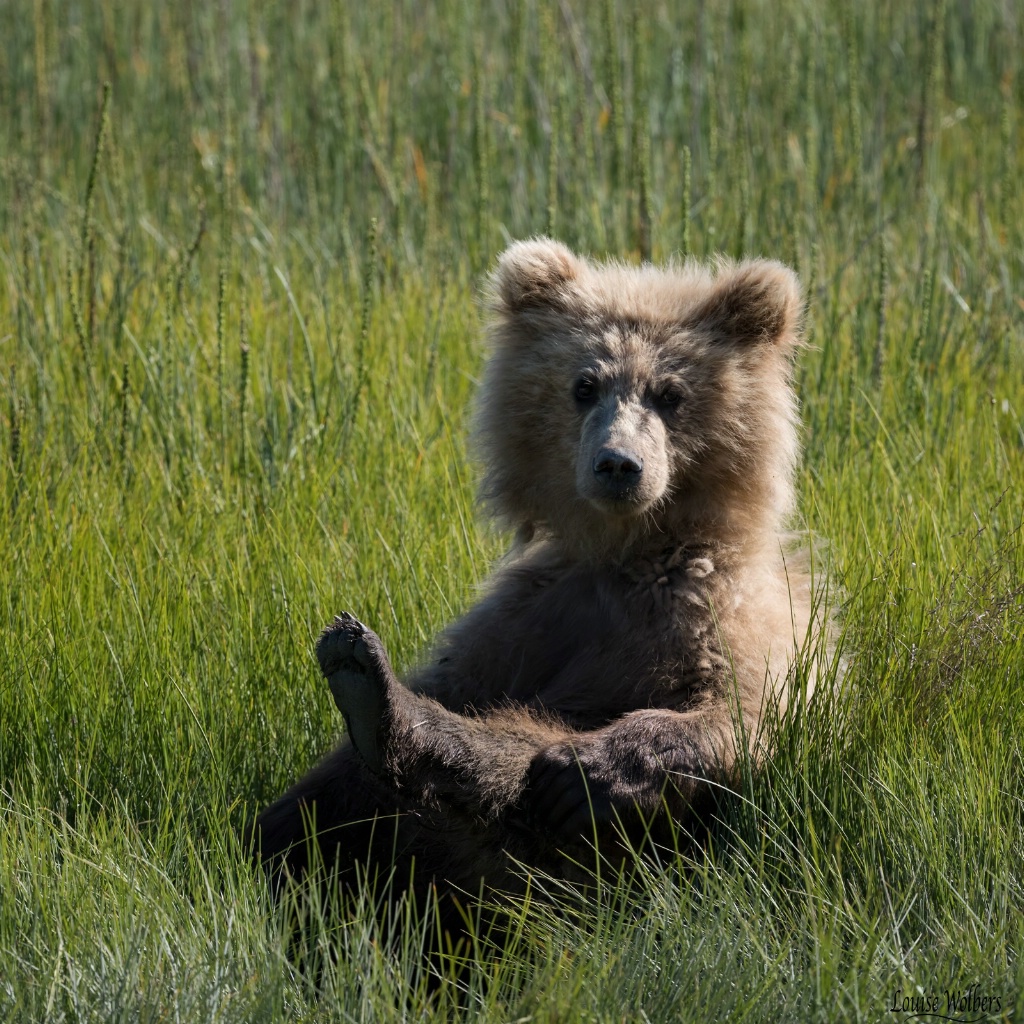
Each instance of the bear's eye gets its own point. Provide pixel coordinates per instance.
(585, 389)
(670, 397)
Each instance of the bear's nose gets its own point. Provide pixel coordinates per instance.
(613, 465)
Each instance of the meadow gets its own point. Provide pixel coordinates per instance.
(243, 252)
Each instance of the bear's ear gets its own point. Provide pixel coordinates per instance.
(751, 302)
(533, 275)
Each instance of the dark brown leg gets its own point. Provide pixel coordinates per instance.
(426, 752)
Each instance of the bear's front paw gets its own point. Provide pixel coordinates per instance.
(353, 660)
(569, 791)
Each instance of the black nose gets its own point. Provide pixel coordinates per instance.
(614, 466)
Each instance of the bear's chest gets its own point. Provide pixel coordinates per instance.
(604, 641)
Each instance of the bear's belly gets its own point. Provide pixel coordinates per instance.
(590, 650)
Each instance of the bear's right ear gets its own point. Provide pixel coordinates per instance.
(533, 275)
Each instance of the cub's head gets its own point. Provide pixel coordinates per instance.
(624, 404)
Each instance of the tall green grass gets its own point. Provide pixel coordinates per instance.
(242, 250)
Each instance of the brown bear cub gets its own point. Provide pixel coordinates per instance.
(638, 430)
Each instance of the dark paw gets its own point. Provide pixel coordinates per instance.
(337, 645)
(353, 660)
(564, 795)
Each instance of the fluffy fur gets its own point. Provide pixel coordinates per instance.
(638, 431)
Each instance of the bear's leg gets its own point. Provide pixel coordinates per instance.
(426, 752)
(633, 769)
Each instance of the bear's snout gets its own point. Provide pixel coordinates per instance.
(618, 471)
(621, 463)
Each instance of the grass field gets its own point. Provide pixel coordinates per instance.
(242, 247)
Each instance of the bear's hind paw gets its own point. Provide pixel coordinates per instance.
(336, 645)
(353, 661)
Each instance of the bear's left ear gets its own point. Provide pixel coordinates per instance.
(533, 275)
(757, 301)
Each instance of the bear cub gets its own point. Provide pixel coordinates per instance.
(638, 432)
